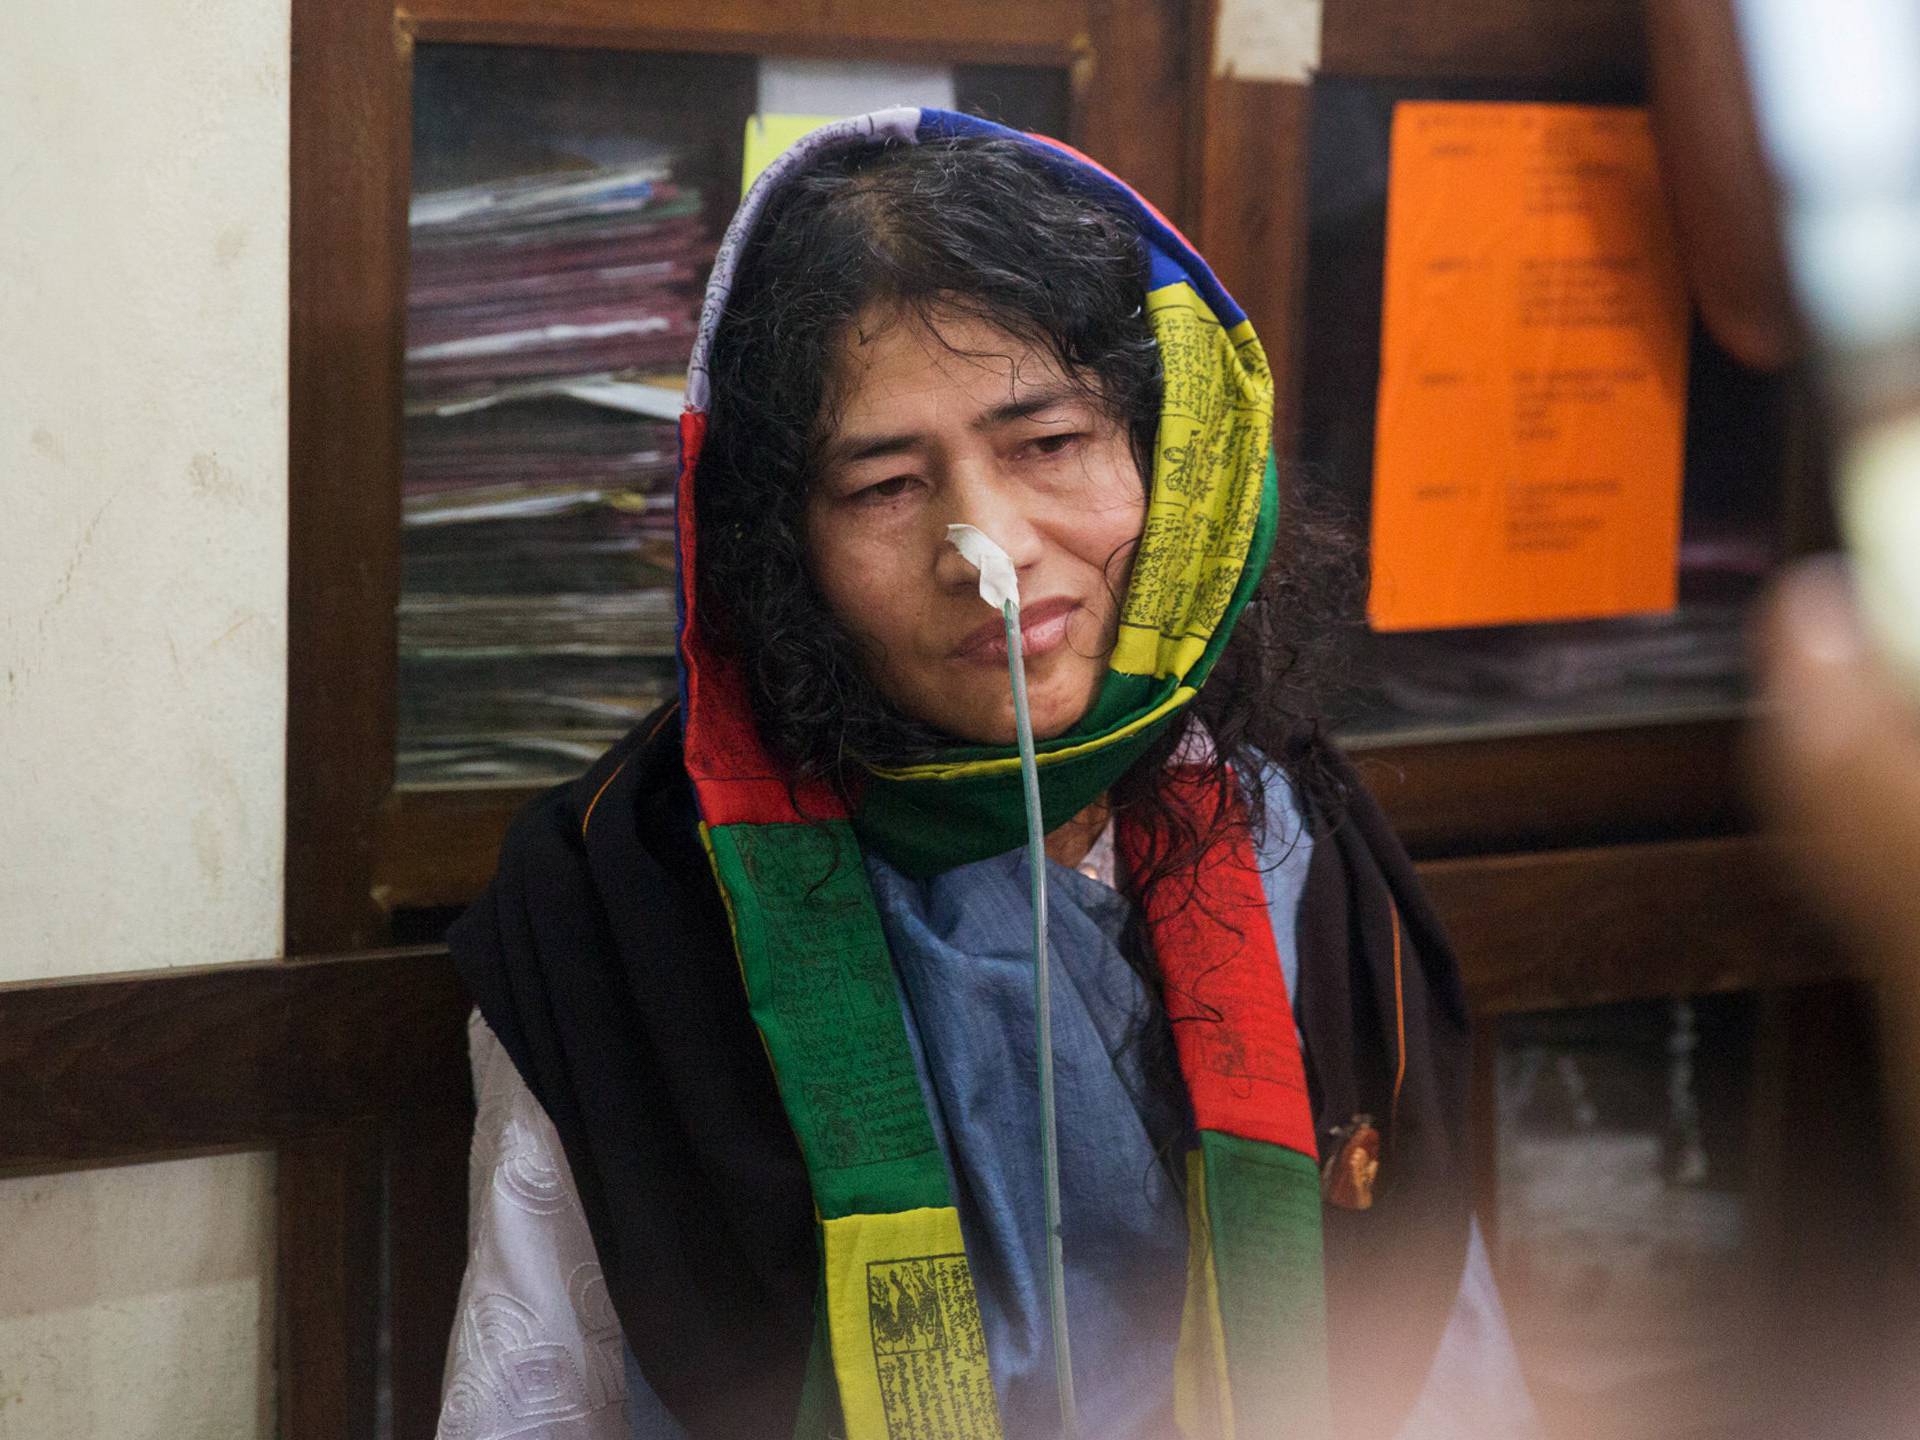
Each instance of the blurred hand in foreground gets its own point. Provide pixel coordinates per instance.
(1836, 767)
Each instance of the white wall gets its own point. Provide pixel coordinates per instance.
(143, 256)
(136, 1303)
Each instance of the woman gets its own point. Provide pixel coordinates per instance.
(758, 1138)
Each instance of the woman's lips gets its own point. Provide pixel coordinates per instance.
(1043, 628)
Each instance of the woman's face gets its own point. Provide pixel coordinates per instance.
(953, 423)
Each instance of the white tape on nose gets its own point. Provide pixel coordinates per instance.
(997, 582)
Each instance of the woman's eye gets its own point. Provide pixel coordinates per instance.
(1047, 445)
(889, 489)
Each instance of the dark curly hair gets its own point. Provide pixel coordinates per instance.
(988, 229)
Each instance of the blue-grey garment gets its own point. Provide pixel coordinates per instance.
(962, 949)
(961, 946)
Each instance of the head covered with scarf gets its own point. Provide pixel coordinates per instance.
(924, 217)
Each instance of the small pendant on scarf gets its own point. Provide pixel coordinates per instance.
(1352, 1166)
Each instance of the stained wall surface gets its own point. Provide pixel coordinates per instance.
(143, 305)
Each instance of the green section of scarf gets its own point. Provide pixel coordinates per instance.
(1262, 1220)
(821, 987)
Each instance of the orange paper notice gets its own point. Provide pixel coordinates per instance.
(1533, 359)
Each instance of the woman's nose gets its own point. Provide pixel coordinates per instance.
(996, 511)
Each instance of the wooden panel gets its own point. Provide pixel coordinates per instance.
(350, 140)
(1631, 922)
(224, 1056)
(1574, 788)
(426, 1256)
(1451, 797)
(243, 1055)
(1247, 152)
(1008, 31)
(438, 847)
(1526, 40)
(1252, 219)
(329, 1284)
(1130, 91)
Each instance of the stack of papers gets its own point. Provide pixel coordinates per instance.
(549, 322)
(550, 277)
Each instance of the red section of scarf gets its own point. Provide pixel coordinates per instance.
(1226, 993)
(736, 780)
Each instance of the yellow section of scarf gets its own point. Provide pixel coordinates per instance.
(1210, 457)
(908, 1347)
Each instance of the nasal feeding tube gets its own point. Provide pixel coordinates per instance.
(1000, 588)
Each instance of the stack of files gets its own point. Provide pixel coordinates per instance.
(536, 280)
(549, 323)
(1689, 657)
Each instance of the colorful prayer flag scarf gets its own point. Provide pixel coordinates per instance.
(900, 1352)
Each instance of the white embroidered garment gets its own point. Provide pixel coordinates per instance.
(537, 1351)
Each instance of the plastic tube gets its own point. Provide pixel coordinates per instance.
(998, 585)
